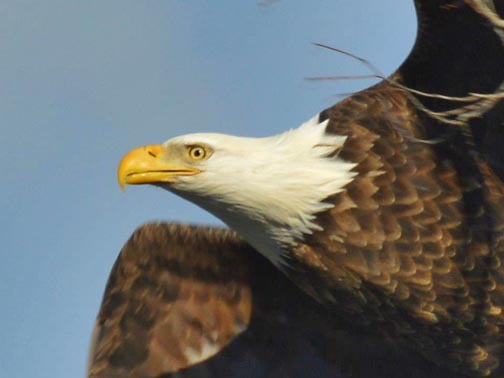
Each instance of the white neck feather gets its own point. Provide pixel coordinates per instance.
(269, 189)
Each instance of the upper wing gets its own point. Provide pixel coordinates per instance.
(185, 301)
(459, 51)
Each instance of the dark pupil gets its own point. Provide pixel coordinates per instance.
(198, 152)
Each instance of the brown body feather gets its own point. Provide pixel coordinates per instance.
(400, 254)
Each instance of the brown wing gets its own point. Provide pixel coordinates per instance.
(186, 301)
(413, 248)
(167, 305)
(459, 51)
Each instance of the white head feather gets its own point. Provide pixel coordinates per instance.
(268, 189)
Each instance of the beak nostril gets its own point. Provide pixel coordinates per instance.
(153, 150)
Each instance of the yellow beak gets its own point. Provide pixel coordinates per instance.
(149, 165)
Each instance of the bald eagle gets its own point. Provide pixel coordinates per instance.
(367, 242)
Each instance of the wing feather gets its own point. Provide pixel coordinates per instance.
(175, 297)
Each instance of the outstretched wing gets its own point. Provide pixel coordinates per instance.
(459, 51)
(175, 297)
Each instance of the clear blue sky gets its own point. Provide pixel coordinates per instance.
(82, 82)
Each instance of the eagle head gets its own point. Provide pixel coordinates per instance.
(269, 189)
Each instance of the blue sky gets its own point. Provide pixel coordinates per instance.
(82, 82)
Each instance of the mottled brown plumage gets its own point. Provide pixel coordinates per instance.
(399, 252)
(415, 243)
(178, 286)
(162, 289)
(406, 268)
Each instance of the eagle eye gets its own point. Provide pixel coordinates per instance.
(197, 152)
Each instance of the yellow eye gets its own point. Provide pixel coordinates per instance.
(197, 152)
